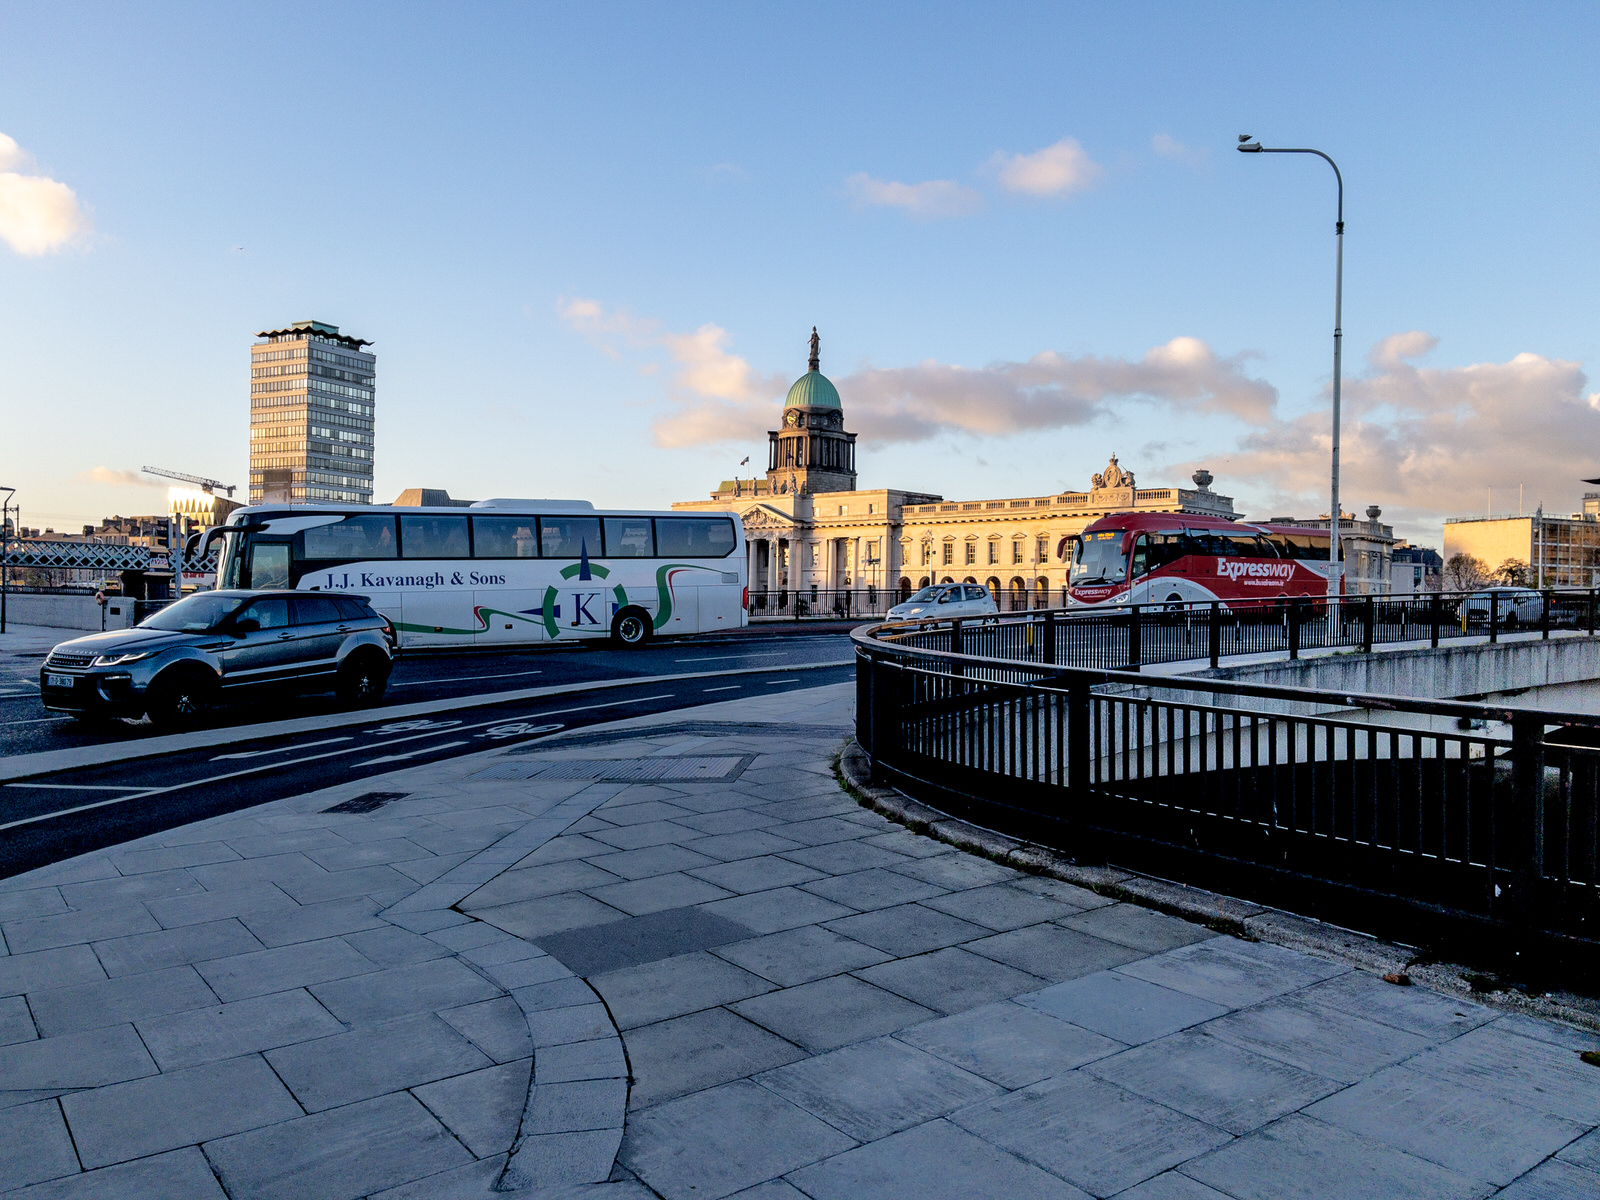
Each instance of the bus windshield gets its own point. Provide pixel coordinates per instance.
(1099, 559)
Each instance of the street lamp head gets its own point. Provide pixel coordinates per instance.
(1247, 146)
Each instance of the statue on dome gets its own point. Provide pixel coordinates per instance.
(816, 350)
(1113, 477)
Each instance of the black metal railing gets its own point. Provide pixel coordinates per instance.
(1129, 636)
(1439, 822)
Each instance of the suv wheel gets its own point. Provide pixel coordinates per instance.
(179, 701)
(362, 679)
(631, 628)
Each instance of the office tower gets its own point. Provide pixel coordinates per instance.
(310, 416)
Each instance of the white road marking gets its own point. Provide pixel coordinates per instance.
(38, 720)
(83, 787)
(732, 687)
(464, 678)
(720, 657)
(283, 749)
(770, 682)
(372, 762)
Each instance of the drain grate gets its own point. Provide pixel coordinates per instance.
(632, 770)
(367, 802)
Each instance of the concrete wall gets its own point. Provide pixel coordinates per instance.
(67, 612)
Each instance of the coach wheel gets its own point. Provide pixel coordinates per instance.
(631, 628)
(1174, 603)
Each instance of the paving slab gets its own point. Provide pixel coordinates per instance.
(177, 1173)
(777, 909)
(163, 1112)
(1122, 1007)
(211, 1034)
(1010, 1044)
(1233, 972)
(1521, 1070)
(1553, 1180)
(1053, 952)
(113, 1001)
(876, 1088)
(482, 1108)
(34, 1144)
(801, 955)
(674, 987)
(999, 907)
(832, 1012)
(91, 1059)
(699, 1051)
(296, 965)
(935, 1161)
(417, 987)
(1297, 1157)
(174, 947)
(1213, 1081)
(627, 942)
(1300, 1030)
(16, 1022)
(951, 980)
(338, 1155)
(1093, 1134)
(373, 1060)
(736, 1135)
(908, 929)
(1141, 928)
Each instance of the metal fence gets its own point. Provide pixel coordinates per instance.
(1471, 826)
(1133, 635)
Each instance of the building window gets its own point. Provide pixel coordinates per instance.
(1041, 552)
(949, 554)
(994, 553)
(972, 553)
(1016, 552)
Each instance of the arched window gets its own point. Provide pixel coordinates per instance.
(905, 588)
(993, 585)
(1041, 594)
(1019, 593)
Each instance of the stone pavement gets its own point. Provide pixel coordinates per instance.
(672, 958)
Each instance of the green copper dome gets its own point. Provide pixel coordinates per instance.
(813, 390)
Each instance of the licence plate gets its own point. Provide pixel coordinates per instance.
(61, 681)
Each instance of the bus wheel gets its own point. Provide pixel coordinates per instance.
(631, 628)
(1174, 603)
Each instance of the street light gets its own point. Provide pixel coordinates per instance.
(1249, 146)
(5, 544)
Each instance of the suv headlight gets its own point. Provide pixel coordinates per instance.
(116, 660)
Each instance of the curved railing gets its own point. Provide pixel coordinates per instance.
(1427, 821)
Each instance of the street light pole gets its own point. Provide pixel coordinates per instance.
(1247, 146)
(5, 546)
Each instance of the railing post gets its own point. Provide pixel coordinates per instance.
(1435, 607)
(1591, 612)
(1494, 617)
(1544, 615)
(1524, 855)
(1078, 699)
(1368, 620)
(1050, 636)
(1215, 631)
(1133, 637)
(957, 667)
(1296, 612)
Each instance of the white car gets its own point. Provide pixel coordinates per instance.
(1513, 605)
(946, 602)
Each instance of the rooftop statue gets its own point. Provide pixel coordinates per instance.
(1113, 477)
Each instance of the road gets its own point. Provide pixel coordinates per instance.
(50, 817)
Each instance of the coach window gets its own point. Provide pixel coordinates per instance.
(433, 537)
(569, 537)
(350, 540)
(1141, 556)
(629, 537)
(504, 537)
(694, 537)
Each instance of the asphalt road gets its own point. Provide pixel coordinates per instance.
(26, 726)
(47, 818)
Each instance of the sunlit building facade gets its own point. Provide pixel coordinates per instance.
(311, 402)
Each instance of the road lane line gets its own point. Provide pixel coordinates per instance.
(284, 749)
(85, 787)
(464, 678)
(151, 791)
(99, 754)
(770, 682)
(372, 762)
(721, 657)
(732, 687)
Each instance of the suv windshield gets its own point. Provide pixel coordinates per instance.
(193, 614)
(1099, 558)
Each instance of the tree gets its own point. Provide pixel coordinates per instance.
(1513, 572)
(1465, 573)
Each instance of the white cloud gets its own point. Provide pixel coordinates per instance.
(1057, 170)
(1168, 147)
(933, 198)
(37, 214)
(1427, 442)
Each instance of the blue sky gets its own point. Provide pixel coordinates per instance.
(590, 241)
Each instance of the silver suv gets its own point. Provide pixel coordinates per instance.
(217, 645)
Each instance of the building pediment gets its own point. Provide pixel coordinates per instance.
(765, 517)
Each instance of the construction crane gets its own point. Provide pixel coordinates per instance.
(208, 486)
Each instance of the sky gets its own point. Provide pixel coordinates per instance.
(590, 241)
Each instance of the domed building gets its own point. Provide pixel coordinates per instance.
(819, 544)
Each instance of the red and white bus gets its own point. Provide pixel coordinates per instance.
(1173, 558)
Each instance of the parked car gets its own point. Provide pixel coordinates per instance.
(946, 602)
(1513, 605)
(213, 646)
